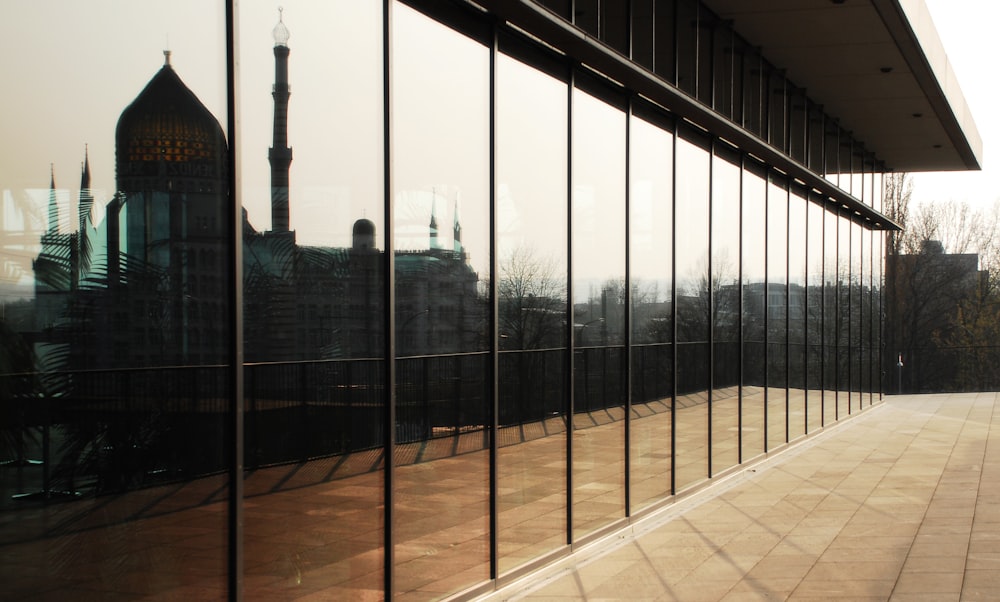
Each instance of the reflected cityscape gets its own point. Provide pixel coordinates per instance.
(654, 307)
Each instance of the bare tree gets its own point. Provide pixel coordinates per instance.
(532, 299)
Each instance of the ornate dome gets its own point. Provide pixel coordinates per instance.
(364, 227)
(168, 133)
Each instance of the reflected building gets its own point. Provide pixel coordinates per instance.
(669, 265)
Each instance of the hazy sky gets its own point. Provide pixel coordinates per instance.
(967, 29)
(68, 79)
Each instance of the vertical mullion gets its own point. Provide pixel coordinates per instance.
(711, 298)
(673, 303)
(389, 302)
(494, 309)
(627, 321)
(739, 309)
(767, 285)
(235, 300)
(788, 289)
(570, 318)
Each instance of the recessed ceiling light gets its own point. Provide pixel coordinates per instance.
(937, 146)
(886, 69)
(918, 115)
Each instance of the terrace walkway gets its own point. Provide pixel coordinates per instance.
(901, 502)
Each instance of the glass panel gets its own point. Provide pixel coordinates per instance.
(843, 316)
(814, 317)
(857, 315)
(665, 39)
(796, 313)
(831, 154)
(615, 25)
(857, 174)
(777, 311)
(867, 290)
(754, 286)
(687, 46)
(114, 339)
(693, 357)
(441, 141)
(725, 308)
(313, 290)
(723, 68)
(831, 318)
(815, 131)
(777, 101)
(598, 214)
(531, 172)
(651, 207)
(797, 124)
(586, 15)
(705, 31)
(642, 32)
(753, 90)
(844, 165)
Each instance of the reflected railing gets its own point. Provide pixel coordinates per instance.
(104, 431)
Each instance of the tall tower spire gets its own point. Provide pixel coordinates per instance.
(457, 230)
(280, 154)
(434, 224)
(86, 196)
(53, 225)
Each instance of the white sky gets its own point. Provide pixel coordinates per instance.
(68, 80)
(967, 29)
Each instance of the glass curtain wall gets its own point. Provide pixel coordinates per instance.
(797, 230)
(777, 311)
(524, 333)
(815, 399)
(115, 340)
(531, 222)
(441, 241)
(313, 286)
(754, 307)
(598, 296)
(693, 306)
(651, 229)
(725, 302)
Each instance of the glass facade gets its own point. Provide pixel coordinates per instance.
(492, 306)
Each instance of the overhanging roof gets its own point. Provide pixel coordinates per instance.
(877, 65)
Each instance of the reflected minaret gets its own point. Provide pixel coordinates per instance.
(280, 154)
(457, 231)
(86, 196)
(53, 224)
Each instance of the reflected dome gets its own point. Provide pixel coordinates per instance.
(167, 131)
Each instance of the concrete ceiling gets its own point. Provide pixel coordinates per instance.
(877, 65)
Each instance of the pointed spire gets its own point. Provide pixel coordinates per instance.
(435, 244)
(86, 197)
(53, 205)
(457, 229)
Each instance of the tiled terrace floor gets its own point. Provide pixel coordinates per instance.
(899, 503)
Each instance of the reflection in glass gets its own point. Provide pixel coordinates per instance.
(598, 214)
(651, 237)
(725, 308)
(858, 315)
(844, 316)
(814, 317)
(114, 338)
(313, 289)
(754, 283)
(796, 314)
(441, 232)
(831, 317)
(777, 311)
(693, 308)
(531, 172)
